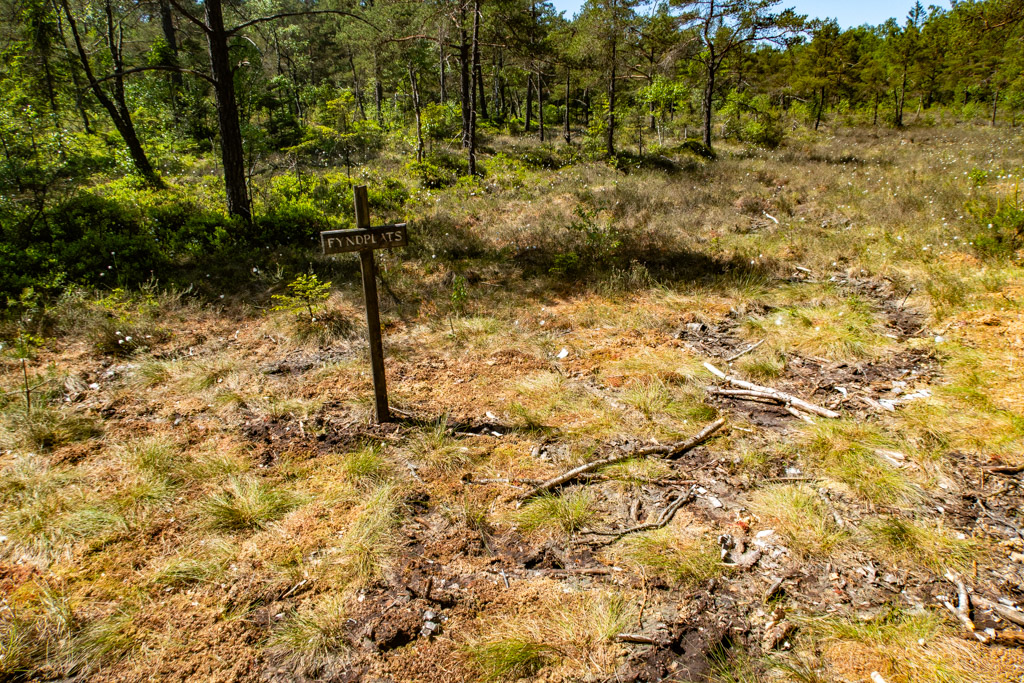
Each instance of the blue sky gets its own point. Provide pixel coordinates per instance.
(847, 13)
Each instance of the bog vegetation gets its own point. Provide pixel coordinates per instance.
(599, 208)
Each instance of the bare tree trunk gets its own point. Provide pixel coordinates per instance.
(529, 100)
(707, 100)
(540, 104)
(821, 106)
(232, 152)
(440, 50)
(568, 103)
(79, 101)
(481, 98)
(610, 142)
(475, 87)
(464, 70)
(995, 104)
(416, 108)
(357, 85)
(171, 38)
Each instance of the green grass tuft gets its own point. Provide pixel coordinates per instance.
(568, 512)
(247, 503)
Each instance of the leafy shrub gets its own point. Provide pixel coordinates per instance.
(1001, 222)
(307, 294)
(438, 171)
(696, 148)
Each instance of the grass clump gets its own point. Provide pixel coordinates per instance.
(904, 647)
(45, 428)
(509, 659)
(568, 512)
(930, 546)
(201, 566)
(846, 451)
(676, 559)
(575, 631)
(246, 503)
(801, 517)
(441, 453)
(842, 330)
(367, 466)
(311, 641)
(369, 542)
(158, 456)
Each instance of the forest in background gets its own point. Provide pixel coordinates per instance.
(141, 136)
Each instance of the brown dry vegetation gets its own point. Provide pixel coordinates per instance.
(216, 505)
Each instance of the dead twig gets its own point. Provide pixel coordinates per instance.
(744, 351)
(669, 451)
(664, 518)
(638, 638)
(780, 396)
(1004, 469)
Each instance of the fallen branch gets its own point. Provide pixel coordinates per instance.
(1005, 469)
(780, 396)
(744, 351)
(638, 638)
(669, 451)
(664, 518)
(1002, 611)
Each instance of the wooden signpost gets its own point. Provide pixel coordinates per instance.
(365, 239)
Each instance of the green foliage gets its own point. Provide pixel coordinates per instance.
(752, 119)
(308, 294)
(1001, 225)
(595, 244)
(438, 170)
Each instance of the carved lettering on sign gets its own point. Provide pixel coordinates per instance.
(381, 237)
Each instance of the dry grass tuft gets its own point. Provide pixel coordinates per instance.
(574, 632)
(930, 546)
(310, 641)
(801, 517)
(247, 503)
(673, 557)
(566, 512)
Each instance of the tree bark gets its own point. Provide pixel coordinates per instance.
(529, 101)
(171, 38)
(481, 88)
(610, 142)
(231, 149)
(416, 109)
(464, 70)
(568, 133)
(540, 104)
(476, 87)
(707, 100)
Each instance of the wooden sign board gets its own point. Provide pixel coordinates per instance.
(361, 239)
(364, 239)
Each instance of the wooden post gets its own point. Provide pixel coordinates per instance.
(368, 267)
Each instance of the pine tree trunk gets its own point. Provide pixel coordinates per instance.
(610, 141)
(529, 101)
(481, 98)
(464, 70)
(440, 63)
(231, 149)
(540, 104)
(476, 87)
(416, 108)
(568, 105)
(709, 90)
